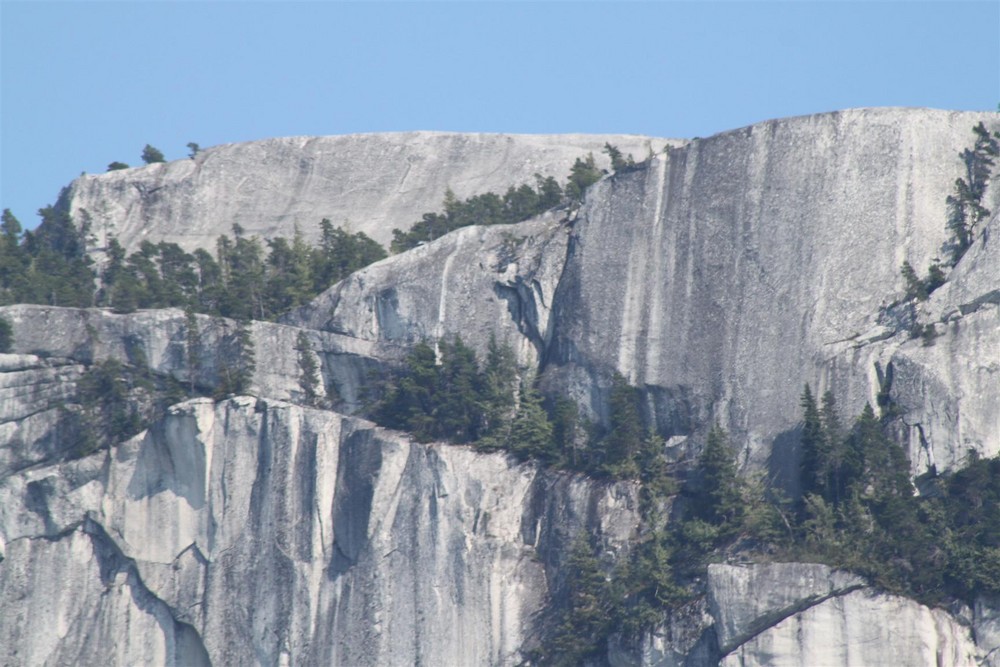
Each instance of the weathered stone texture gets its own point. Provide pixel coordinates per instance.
(719, 278)
(274, 532)
(373, 182)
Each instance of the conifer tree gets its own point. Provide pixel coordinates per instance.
(915, 288)
(717, 497)
(308, 369)
(151, 155)
(457, 409)
(586, 618)
(6, 335)
(240, 362)
(625, 437)
(582, 175)
(883, 469)
(410, 399)
(498, 401)
(550, 193)
(531, 432)
(831, 471)
(565, 420)
(14, 261)
(814, 447)
(965, 208)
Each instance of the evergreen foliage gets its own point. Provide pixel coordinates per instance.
(965, 206)
(308, 369)
(240, 280)
(151, 155)
(716, 497)
(113, 402)
(117, 166)
(582, 175)
(620, 447)
(499, 401)
(586, 620)
(457, 401)
(339, 254)
(240, 361)
(47, 266)
(531, 432)
(6, 336)
(515, 205)
(965, 212)
(618, 161)
(920, 289)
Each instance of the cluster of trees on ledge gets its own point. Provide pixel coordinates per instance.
(516, 205)
(857, 509)
(857, 512)
(966, 212)
(245, 278)
(50, 266)
(153, 155)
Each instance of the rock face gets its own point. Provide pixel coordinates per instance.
(726, 274)
(259, 532)
(798, 614)
(375, 182)
(719, 277)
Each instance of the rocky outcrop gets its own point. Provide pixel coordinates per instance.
(719, 277)
(746, 600)
(475, 282)
(158, 340)
(807, 614)
(371, 182)
(258, 532)
(723, 276)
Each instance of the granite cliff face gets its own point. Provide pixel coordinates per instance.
(725, 275)
(374, 182)
(255, 531)
(719, 277)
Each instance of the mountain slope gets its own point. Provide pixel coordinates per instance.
(371, 182)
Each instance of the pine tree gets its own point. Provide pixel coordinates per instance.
(717, 497)
(6, 335)
(626, 434)
(457, 411)
(210, 283)
(815, 454)
(240, 362)
(618, 162)
(965, 208)
(410, 399)
(550, 193)
(531, 432)
(884, 470)
(179, 284)
(832, 470)
(151, 155)
(586, 620)
(498, 400)
(582, 175)
(14, 261)
(308, 369)
(915, 288)
(565, 420)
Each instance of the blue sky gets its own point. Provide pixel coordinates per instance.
(88, 83)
